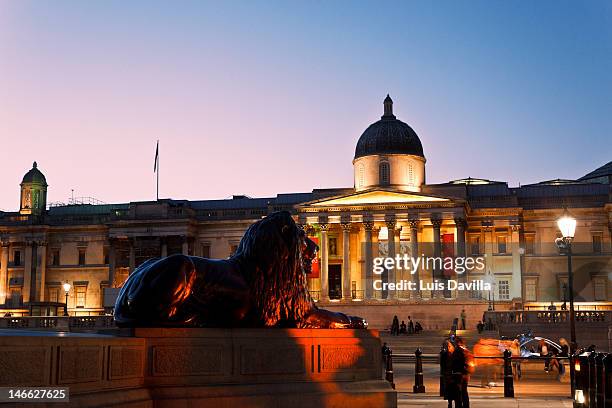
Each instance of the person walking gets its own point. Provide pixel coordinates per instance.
(463, 317)
(395, 326)
(516, 364)
(462, 365)
(450, 390)
(410, 325)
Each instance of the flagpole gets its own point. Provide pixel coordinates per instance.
(158, 171)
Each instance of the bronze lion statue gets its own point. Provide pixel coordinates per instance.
(262, 285)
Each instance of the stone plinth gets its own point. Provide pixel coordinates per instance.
(203, 367)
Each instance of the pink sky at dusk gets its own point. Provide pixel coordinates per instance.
(269, 99)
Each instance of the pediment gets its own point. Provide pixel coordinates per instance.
(374, 197)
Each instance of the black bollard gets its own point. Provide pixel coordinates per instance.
(600, 396)
(442, 369)
(581, 379)
(508, 377)
(607, 363)
(592, 381)
(419, 387)
(389, 368)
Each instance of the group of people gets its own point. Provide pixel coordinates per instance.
(403, 328)
(457, 364)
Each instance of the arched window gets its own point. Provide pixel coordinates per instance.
(383, 172)
(360, 176)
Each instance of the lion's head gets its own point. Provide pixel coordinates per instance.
(277, 254)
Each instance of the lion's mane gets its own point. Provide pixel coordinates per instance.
(270, 252)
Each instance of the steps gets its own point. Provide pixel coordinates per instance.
(404, 346)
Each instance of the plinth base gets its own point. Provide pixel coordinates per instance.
(203, 367)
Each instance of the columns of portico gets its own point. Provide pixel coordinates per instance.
(368, 226)
(164, 247)
(346, 258)
(41, 271)
(399, 274)
(132, 255)
(515, 290)
(324, 261)
(391, 224)
(27, 272)
(437, 272)
(460, 225)
(112, 262)
(4, 257)
(414, 251)
(185, 247)
(488, 238)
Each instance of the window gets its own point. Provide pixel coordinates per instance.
(81, 292)
(333, 246)
(529, 244)
(15, 299)
(597, 244)
(383, 171)
(53, 294)
(17, 258)
(360, 175)
(563, 293)
(81, 256)
(599, 288)
(410, 174)
(501, 244)
(206, 251)
(475, 245)
(503, 290)
(55, 257)
(531, 290)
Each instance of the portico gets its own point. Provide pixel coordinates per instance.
(379, 223)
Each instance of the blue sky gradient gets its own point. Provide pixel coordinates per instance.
(260, 98)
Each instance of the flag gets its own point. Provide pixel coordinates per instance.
(156, 157)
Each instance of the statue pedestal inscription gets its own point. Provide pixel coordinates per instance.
(204, 367)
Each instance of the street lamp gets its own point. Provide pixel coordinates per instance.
(66, 289)
(490, 279)
(567, 226)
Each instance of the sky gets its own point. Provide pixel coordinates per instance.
(265, 97)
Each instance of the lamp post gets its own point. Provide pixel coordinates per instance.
(67, 287)
(567, 226)
(491, 281)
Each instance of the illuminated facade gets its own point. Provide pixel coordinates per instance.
(95, 246)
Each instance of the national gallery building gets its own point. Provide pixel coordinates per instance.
(389, 211)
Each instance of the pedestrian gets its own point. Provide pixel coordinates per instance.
(565, 350)
(410, 325)
(463, 317)
(480, 327)
(462, 365)
(450, 391)
(543, 349)
(402, 328)
(395, 326)
(418, 328)
(515, 348)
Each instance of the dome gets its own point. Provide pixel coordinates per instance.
(389, 136)
(34, 176)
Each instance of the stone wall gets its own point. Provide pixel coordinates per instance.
(203, 367)
(433, 315)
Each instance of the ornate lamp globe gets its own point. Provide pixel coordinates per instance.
(567, 225)
(67, 287)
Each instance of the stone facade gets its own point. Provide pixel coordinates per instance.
(203, 367)
(389, 211)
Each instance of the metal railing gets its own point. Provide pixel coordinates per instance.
(58, 322)
(547, 317)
